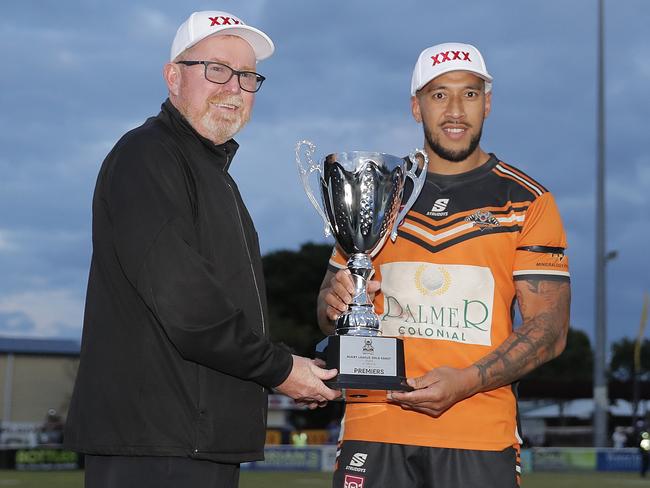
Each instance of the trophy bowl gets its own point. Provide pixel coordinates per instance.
(362, 193)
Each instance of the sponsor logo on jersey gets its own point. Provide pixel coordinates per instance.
(553, 260)
(357, 462)
(550, 264)
(432, 280)
(434, 301)
(439, 208)
(483, 219)
(558, 256)
(351, 481)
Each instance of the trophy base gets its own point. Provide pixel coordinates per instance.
(367, 389)
(365, 396)
(358, 382)
(368, 366)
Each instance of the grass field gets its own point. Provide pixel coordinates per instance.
(74, 479)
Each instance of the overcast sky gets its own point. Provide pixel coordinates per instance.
(77, 74)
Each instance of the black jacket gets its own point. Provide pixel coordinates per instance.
(175, 356)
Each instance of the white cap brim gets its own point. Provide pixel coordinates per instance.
(487, 78)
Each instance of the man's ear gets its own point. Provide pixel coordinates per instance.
(415, 109)
(172, 76)
(488, 105)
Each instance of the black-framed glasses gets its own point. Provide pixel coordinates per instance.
(221, 73)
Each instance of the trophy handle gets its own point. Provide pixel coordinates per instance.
(418, 183)
(305, 173)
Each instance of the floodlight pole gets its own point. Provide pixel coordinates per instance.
(601, 395)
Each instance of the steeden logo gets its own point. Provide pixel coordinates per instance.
(358, 459)
(439, 208)
(357, 462)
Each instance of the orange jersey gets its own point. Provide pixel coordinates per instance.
(447, 289)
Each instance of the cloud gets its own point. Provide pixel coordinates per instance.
(7, 244)
(15, 324)
(43, 258)
(148, 21)
(42, 313)
(643, 66)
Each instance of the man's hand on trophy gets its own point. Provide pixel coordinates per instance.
(305, 383)
(437, 390)
(341, 290)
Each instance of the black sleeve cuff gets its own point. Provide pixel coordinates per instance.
(283, 364)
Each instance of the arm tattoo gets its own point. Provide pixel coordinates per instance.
(533, 285)
(544, 306)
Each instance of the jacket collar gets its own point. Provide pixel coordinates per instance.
(224, 152)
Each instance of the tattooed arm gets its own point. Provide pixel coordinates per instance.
(544, 307)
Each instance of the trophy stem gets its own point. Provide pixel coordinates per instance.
(360, 266)
(360, 318)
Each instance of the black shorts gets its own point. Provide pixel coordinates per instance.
(376, 465)
(158, 472)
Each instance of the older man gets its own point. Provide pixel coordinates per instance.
(481, 235)
(176, 361)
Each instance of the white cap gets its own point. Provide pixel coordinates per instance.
(443, 58)
(200, 25)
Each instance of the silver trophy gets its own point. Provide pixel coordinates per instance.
(362, 195)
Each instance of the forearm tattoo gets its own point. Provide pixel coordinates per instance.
(544, 306)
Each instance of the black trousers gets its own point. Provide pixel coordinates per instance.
(158, 472)
(376, 465)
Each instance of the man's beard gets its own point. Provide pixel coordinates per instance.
(218, 128)
(449, 154)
